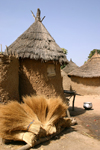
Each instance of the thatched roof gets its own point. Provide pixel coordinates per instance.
(36, 43)
(70, 67)
(90, 69)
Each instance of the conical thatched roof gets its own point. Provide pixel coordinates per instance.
(36, 43)
(90, 69)
(70, 67)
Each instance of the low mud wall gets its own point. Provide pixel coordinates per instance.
(9, 79)
(86, 86)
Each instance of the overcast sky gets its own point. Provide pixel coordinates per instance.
(74, 24)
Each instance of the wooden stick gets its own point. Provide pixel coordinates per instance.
(25, 147)
(1, 48)
(33, 14)
(68, 113)
(42, 18)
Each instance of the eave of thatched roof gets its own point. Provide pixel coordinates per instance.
(70, 67)
(90, 69)
(36, 43)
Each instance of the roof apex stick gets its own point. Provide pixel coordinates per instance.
(33, 14)
(37, 15)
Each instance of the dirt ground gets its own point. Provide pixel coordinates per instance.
(88, 124)
(89, 120)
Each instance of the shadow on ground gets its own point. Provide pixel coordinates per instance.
(57, 137)
(77, 111)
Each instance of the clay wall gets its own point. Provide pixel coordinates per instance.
(66, 81)
(86, 86)
(35, 79)
(9, 79)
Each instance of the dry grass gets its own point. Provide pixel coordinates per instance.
(13, 117)
(56, 110)
(37, 114)
(38, 104)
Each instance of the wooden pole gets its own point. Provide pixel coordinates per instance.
(1, 48)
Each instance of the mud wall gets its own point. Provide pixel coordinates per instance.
(34, 79)
(86, 86)
(9, 79)
(66, 81)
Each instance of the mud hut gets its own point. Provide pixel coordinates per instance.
(64, 72)
(66, 80)
(70, 67)
(39, 61)
(86, 79)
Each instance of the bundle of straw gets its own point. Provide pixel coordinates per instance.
(48, 111)
(27, 137)
(34, 118)
(63, 123)
(15, 117)
(56, 110)
(39, 106)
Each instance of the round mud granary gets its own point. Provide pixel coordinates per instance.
(85, 80)
(39, 61)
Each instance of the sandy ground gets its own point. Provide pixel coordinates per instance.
(84, 135)
(88, 120)
(94, 99)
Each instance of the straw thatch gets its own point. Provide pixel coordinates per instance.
(90, 69)
(70, 67)
(36, 43)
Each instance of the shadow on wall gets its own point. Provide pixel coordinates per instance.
(27, 89)
(86, 81)
(34, 79)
